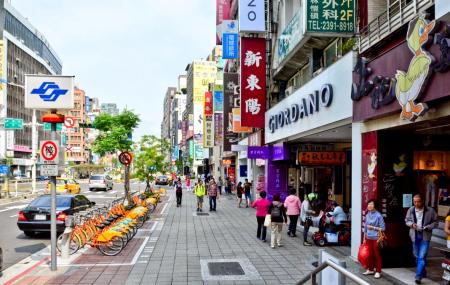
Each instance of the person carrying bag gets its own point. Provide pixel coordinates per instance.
(373, 236)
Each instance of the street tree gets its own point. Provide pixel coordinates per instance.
(151, 158)
(115, 136)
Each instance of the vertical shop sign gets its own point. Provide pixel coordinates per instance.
(230, 39)
(237, 123)
(330, 16)
(276, 179)
(369, 170)
(191, 149)
(218, 100)
(253, 82)
(230, 99)
(208, 138)
(223, 9)
(252, 16)
(218, 129)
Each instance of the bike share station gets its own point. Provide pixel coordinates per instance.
(52, 94)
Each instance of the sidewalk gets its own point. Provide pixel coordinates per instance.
(178, 246)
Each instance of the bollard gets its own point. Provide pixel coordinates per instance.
(65, 244)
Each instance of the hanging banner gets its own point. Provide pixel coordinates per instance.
(253, 82)
(252, 16)
(237, 126)
(208, 104)
(223, 9)
(230, 100)
(230, 46)
(218, 101)
(218, 129)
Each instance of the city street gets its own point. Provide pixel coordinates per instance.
(16, 246)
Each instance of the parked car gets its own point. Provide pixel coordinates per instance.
(36, 216)
(20, 177)
(162, 180)
(66, 186)
(100, 181)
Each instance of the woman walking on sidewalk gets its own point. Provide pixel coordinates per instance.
(213, 195)
(278, 217)
(374, 224)
(262, 206)
(292, 204)
(305, 216)
(239, 191)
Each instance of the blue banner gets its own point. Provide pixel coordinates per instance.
(230, 46)
(218, 101)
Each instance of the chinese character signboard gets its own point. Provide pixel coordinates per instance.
(261, 152)
(208, 138)
(223, 8)
(330, 16)
(230, 100)
(252, 16)
(208, 104)
(218, 129)
(230, 46)
(253, 82)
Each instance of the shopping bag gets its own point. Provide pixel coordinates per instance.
(363, 255)
(382, 240)
(268, 220)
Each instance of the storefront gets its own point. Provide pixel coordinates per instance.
(402, 129)
(310, 134)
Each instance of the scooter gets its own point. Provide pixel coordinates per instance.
(329, 234)
(446, 264)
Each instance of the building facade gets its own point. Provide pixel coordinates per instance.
(77, 150)
(109, 108)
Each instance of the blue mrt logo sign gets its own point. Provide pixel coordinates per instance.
(49, 91)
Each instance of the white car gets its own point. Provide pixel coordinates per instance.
(100, 181)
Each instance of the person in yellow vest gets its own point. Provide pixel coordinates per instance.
(200, 192)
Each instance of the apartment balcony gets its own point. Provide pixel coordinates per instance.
(293, 47)
(398, 13)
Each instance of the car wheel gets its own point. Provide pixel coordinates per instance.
(29, 234)
(90, 189)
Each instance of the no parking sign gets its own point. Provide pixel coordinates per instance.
(49, 152)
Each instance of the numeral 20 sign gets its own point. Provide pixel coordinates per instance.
(253, 82)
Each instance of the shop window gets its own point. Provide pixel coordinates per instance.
(332, 53)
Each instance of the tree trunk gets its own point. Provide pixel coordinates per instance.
(127, 183)
(147, 181)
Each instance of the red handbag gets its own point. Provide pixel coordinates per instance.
(363, 255)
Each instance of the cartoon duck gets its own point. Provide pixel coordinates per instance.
(409, 84)
(399, 167)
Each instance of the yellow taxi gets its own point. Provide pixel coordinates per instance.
(66, 185)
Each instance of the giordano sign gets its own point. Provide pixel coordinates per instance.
(305, 107)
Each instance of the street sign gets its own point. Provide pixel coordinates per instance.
(13, 124)
(49, 170)
(48, 127)
(4, 169)
(125, 158)
(69, 122)
(49, 92)
(49, 152)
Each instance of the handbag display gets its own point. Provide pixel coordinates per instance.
(382, 240)
(268, 220)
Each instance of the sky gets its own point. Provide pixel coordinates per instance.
(126, 53)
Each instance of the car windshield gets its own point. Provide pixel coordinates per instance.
(60, 182)
(97, 177)
(44, 202)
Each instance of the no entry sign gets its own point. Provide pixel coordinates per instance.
(125, 158)
(49, 152)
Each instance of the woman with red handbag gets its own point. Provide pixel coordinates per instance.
(374, 226)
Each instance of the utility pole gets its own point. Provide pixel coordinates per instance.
(53, 207)
(34, 140)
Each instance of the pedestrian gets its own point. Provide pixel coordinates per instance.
(248, 193)
(213, 195)
(178, 192)
(229, 185)
(278, 217)
(220, 184)
(188, 183)
(447, 228)
(292, 205)
(305, 216)
(262, 207)
(200, 192)
(374, 225)
(421, 220)
(239, 191)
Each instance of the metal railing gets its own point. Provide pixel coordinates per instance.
(398, 13)
(338, 268)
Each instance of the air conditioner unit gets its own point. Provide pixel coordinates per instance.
(289, 91)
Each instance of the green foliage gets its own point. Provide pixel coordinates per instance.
(114, 131)
(151, 152)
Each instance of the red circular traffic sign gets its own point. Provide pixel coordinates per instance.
(69, 122)
(49, 150)
(125, 158)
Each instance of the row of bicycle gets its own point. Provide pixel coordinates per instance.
(110, 228)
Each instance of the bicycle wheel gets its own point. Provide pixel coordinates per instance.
(151, 208)
(111, 248)
(140, 222)
(73, 245)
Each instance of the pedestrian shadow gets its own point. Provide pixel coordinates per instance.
(30, 248)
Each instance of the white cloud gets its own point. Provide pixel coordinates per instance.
(126, 53)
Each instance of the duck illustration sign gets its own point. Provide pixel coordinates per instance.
(413, 73)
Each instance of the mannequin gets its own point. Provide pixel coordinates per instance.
(430, 183)
(443, 187)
